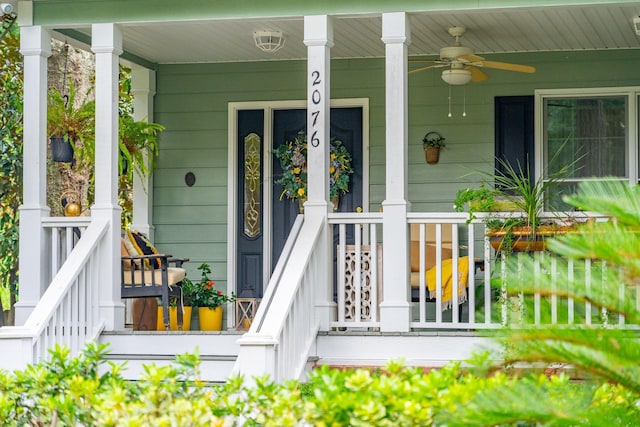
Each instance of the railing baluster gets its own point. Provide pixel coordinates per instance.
(422, 292)
(587, 279)
(487, 281)
(342, 276)
(554, 286)
(472, 273)
(357, 278)
(373, 241)
(570, 302)
(438, 273)
(455, 306)
(536, 296)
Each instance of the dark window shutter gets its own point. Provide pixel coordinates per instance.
(514, 132)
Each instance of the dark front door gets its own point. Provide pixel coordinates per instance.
(346, 126)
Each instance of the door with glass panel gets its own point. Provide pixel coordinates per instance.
(252, 227)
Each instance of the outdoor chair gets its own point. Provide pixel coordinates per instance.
(149, 275)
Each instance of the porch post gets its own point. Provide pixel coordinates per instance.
(395, 311)
(318, 37)
(143, 87)
(107, 46)
(35, 47)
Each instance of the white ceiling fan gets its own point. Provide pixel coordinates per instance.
(463, 66)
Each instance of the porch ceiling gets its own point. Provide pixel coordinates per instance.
(530, 29)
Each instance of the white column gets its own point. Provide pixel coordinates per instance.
(107, 46)
(35, 47)
(318, 37)
(395, 311)
(143, 87)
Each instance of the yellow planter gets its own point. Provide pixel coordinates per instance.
(210, 318)
(173, 319)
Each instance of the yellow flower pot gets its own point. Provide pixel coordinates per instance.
(210, 318)
(173, 319)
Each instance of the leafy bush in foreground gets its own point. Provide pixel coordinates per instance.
(88, 391)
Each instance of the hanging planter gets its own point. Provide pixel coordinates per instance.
(61, 149)
(432, 143)
(432, 154)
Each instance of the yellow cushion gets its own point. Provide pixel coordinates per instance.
(174, 276)
(123, 252)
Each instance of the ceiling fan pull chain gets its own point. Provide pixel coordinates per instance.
(464, 102)
(449, 101)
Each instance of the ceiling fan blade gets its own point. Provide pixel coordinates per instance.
(426, 60)
(471, 58)
(477, 75)
(508, 67)
(417, 70)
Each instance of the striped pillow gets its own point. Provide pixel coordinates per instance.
(139, 244)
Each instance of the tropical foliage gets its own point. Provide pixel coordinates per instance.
(11, 84)
(293, 161)
(604, 292)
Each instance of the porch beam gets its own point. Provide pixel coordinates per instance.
(318, 37)
(395, 310)
(143, 87)
(107, 46)
(35, 47)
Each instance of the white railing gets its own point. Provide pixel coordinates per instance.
(284, 330)
(68, 312)
(64, 234)
(461, 297)
(454, 271)
(358, 274)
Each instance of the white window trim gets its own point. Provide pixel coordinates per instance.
(631, 92)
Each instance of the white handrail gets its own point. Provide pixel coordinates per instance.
(67, 313)
(280, 339)
(266, 302)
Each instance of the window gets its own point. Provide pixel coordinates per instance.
(590, 129)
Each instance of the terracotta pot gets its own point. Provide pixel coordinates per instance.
(144, 312)
(173, 319)
(432, 154)
(210, 318)
(523, 238)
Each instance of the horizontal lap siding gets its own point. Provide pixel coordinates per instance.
(191, 102)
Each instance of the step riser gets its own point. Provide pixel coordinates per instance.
(218, 352)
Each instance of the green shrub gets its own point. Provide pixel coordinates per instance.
(88, 391)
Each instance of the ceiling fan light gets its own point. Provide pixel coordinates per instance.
(456, 76)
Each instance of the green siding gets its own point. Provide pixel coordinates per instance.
(192, 100)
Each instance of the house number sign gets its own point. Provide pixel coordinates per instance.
(316, 97)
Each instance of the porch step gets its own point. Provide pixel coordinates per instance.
(218, 350)
(428, 350)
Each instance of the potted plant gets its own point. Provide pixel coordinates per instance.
(432, 143)
(187, 309)
(209, 300)
(70, 127)
(527, 228)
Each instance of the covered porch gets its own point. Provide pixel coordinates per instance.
(335, 56)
